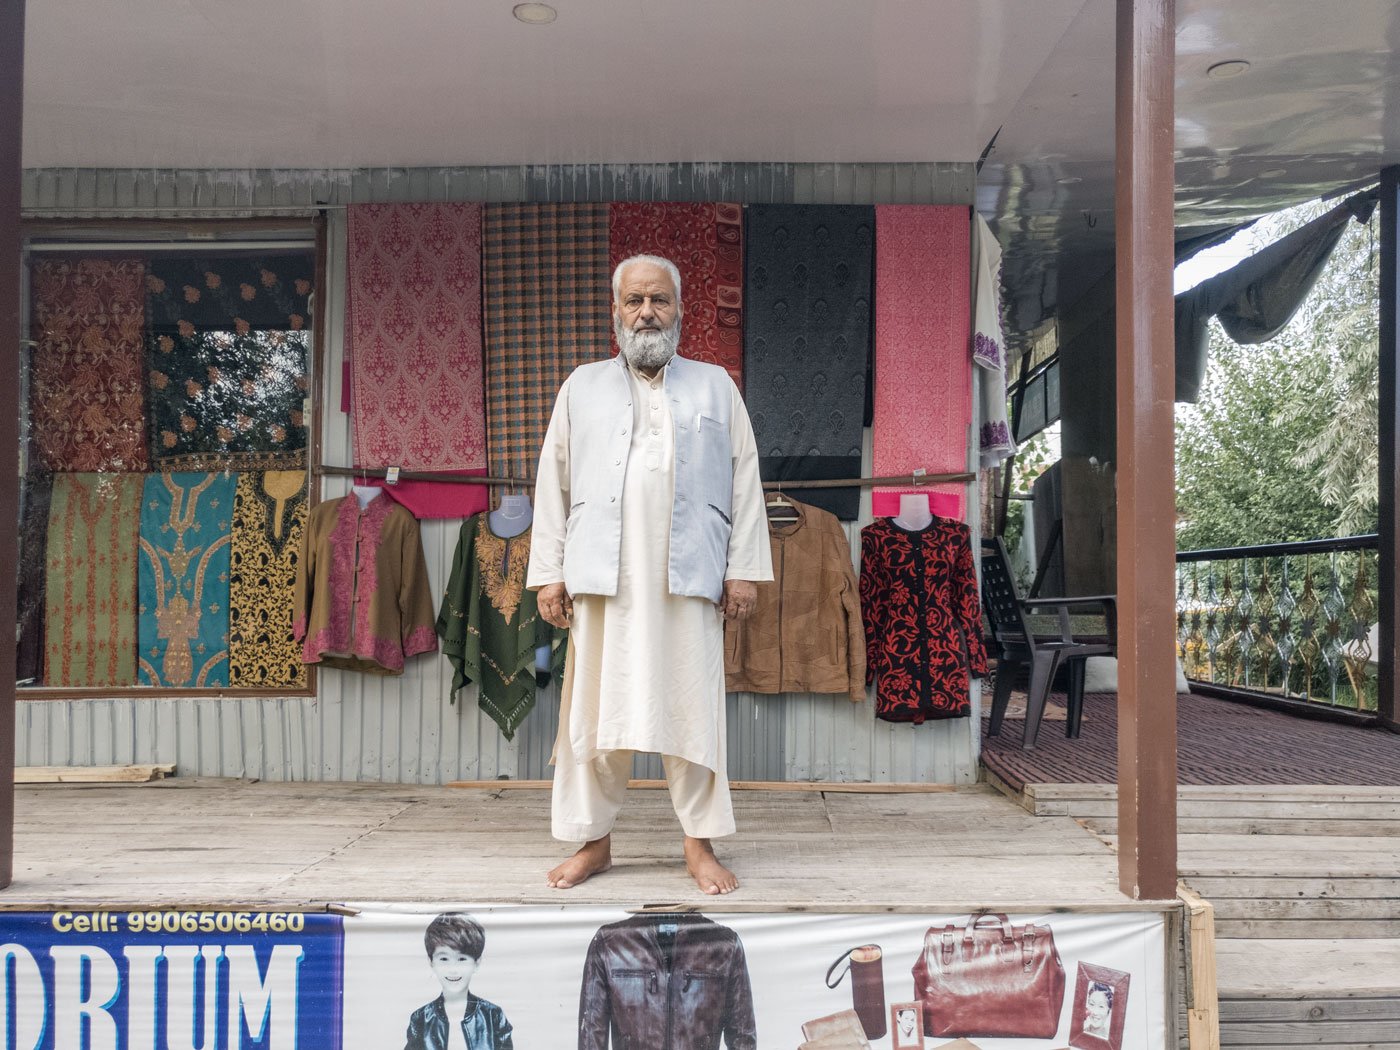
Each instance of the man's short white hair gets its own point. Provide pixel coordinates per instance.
(654, 260)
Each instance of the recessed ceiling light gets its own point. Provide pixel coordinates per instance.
(1273, 173)
(1069, 180)
(1225, 70)
(534, 14)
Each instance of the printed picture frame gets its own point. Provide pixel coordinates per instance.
(901, 1036)
(1100, 1008)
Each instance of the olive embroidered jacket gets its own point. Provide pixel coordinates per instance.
(362, 597)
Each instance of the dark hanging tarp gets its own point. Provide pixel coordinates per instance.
(1255, 299)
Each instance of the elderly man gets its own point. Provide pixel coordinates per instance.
(649, 531)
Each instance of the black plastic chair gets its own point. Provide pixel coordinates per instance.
(1019, 647)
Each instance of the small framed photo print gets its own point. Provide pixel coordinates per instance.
(1100, 1008)
(907, 1026)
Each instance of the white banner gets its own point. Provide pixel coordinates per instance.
(486, 977)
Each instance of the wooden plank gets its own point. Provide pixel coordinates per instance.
(1381, 1009)
(1308, 929)
(1269, 792)
(1265, 887)
(820, 787)
(1203, 1014)
(1308, 1033)
(133, 774)
(1271, 968)
(1368, 908)
(1320, 826)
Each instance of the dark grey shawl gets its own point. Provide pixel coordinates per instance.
(807, 315)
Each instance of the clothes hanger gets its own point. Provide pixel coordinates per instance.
(785, 509)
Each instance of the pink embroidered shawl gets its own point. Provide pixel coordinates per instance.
(923, 373)
(415, 323)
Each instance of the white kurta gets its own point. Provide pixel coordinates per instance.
(645, 669)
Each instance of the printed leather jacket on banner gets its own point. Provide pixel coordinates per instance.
(484, 1027)
(666, 982)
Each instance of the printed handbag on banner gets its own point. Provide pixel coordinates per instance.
(867, 986)
(990, 978)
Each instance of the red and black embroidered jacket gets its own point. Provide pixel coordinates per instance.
(923, 620)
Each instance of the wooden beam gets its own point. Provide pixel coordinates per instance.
(137, 774)
(1146, 380)
(1203, 1009)
(1388, 474)
(11, 122)
(734, 785)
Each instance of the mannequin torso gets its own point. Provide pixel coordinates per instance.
(914, 514)
(512, 517)
(366, 494)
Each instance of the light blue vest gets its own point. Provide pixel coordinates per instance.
(600, 438)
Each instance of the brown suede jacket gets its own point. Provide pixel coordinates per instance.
(805, 634)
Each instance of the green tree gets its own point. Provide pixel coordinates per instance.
(1237, 482)
(1282, 443)
(1341, 320)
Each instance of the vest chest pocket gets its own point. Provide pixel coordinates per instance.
(714, 469)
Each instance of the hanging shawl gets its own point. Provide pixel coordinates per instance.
(706, 242)
(226, 357)
(995, 442)
(86, 407)
(490, 624)
(90, 592)
(923, 373)
(1256, 298)
(184, 579)
(269, 514)
(414, 313)
(807, 343)
(545, 300)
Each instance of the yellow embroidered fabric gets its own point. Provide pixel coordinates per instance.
(269, 514)
(502, 564)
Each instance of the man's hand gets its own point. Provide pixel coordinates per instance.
(740, 596)
(556, 606)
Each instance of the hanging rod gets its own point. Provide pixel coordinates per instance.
(188, 247)
(177, 210)
(900, 480)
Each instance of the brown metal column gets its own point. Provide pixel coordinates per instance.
(1146, 496)
(11, 121)
(1388, 476)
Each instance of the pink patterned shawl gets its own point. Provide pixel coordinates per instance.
(923, 373)
(706, 242)
(415, 323)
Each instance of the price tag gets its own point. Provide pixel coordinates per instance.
(391, 476)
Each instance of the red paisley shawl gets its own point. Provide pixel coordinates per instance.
(706, 242)
(87, 387)
(923, 621)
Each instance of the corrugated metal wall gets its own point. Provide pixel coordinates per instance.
(403, 729)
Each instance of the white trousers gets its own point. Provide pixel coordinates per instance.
(588, 796)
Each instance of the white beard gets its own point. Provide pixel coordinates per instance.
(647, 349)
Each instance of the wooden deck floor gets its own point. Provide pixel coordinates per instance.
(185, 841)
(1305, 885)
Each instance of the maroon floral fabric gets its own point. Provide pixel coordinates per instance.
(87, 410)
(706, 242)
(923, 620)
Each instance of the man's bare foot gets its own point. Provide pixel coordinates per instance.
(704, 867)
(592, 858)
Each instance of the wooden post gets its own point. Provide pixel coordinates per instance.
(11, 121)
(1146, 59)
(1388, 474)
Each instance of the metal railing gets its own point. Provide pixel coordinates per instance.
(1283, 619)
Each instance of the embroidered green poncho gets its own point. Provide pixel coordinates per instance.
(490, 625)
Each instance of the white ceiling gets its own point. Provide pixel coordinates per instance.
(348, 83)
(340, 83)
